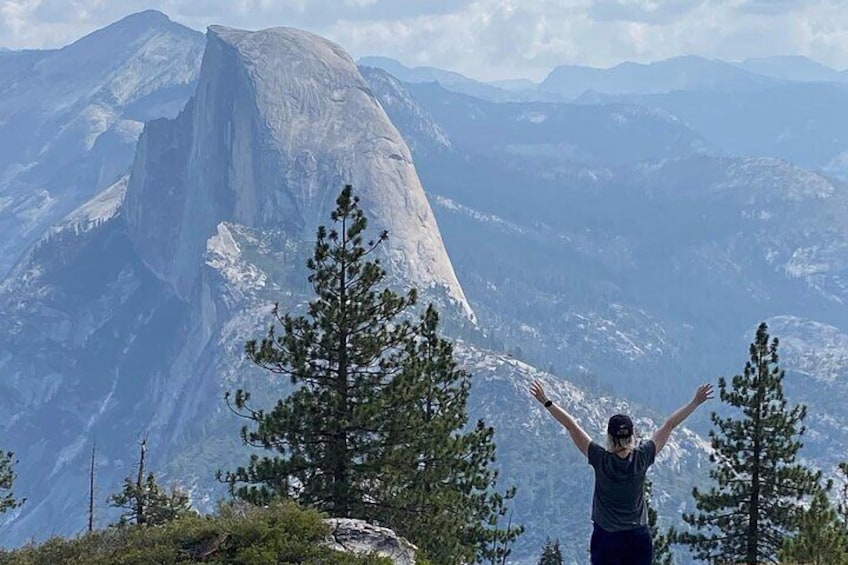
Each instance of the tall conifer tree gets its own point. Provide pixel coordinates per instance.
(343, 354)
(822, 538)
(756, 500)
(373, 429)
(440, 485)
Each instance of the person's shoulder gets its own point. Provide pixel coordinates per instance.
(595, 453)
(594, 445)
(648, 449)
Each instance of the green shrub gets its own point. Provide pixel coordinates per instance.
(238, 535)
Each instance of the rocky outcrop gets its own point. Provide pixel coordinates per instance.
(361, 538)
(281, 120)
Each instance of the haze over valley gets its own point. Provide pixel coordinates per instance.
(617, 233)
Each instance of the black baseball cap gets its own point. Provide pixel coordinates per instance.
(620, 426)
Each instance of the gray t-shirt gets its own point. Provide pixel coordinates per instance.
(619, 500)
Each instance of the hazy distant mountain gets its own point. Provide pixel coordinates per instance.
(14, 63)
(792, 67)
(687, 72)
(453, 81)
(416, 74)
(652, 279)
(456, 82)
(598, 135)
(518, 84)
(421, 131)
(643, 276)
(69, 118)
(804, 123)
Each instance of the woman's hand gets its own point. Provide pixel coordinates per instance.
(538, 391)
(704, 393)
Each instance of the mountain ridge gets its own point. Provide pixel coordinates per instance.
(70, 117)
(792, 67)
(684, 72)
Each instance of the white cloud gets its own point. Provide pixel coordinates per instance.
(650, 11)
(485, 38)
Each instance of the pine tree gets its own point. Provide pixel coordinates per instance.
(759, 486)
(662, 541)
(351, 437)
(441, 488)
(343, 354)
(149, 503)
(822, 538)
(551, 553)
(145, 501)
(7, 481)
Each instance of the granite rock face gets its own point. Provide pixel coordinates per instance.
(361, 538)
(281, 120)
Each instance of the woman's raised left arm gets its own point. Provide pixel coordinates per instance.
(578, 435)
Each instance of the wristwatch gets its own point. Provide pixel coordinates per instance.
(548, 403)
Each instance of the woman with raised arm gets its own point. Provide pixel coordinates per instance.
(619, 511)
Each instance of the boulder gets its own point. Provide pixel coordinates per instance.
(361, 538)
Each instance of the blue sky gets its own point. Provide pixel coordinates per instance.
(487, 39)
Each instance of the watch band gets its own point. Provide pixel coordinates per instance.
(549, 403)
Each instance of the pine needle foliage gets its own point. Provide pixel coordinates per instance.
(376, 427)
(822, 538)
(759, 486)
(150, 503)
(662, 540)
(551, 553)
(7, 481)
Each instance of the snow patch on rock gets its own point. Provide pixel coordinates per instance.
(477, 216)
(775, 178)
(813, 348)
(225, 256)
(533, 117)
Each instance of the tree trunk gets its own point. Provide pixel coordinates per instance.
(91, 492)
(139, 500)
(340, 478)
(751, 550)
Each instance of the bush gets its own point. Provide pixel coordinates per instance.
(238, 535)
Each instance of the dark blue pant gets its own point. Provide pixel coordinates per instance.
(630, 547)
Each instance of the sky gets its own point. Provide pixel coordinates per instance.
(484, 39)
